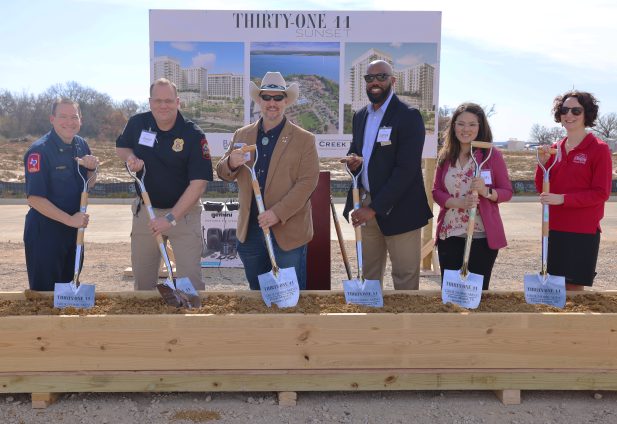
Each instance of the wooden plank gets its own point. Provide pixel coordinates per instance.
(427, 248)
(43, 400)
(509, 397)
(287, 398)
(285, 382)
(427, 231)
(295, 341)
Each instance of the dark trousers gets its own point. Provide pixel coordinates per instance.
(50, 251)
(481, 258)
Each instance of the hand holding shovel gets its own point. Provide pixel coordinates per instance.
(278, 286)
(463, 287)
(178, 294)
(73, 293)
(543, 287)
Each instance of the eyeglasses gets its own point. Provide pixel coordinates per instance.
(277, 98)
(575, 110)
(159, 102)
(471, 125)
(380, 77)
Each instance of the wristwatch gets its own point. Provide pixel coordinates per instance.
(490, 193)
(170, 218)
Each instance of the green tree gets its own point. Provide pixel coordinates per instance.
(326, 128)
(197, 113)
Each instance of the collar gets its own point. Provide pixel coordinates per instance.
(583, 144)
(383, 107)
(60, 145)
(276, 129)
(175, 130)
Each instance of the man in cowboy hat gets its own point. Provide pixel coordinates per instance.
(287, 171)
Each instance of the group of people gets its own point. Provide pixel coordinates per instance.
(386, 154)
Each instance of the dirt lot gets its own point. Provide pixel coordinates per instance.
(521, 165)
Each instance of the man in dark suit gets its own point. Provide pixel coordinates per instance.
(388, 138)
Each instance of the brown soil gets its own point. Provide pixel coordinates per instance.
(308, 304)
(196, 416)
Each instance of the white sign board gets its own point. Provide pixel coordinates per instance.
(368, 294)
(284, 290)
(463, 293)
(551, 291)
(212, 55)
(66, 294)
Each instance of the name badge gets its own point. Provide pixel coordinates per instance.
(383, 135)
(247, 155)
(147, 138)
(486, 175)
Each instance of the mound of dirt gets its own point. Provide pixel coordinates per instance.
(308, 304)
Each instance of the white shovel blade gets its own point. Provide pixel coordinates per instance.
(66, 294)
(551, 291)
(368, 294)
(186, 294)
(284, 290)
(464, 293)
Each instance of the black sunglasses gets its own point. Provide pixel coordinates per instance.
(575, 110)
(277, 98)
(380, 77)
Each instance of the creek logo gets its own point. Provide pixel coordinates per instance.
(580, 158)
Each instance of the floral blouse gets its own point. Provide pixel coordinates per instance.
(458, 183)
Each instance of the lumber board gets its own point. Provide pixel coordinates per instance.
(281, 381)
(43, 400)
(296, 341)
(508, 397)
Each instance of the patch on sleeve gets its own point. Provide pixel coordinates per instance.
(205, 149)
(34, 163)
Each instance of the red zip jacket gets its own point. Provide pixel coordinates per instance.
(584, 177)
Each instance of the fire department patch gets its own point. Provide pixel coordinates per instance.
(205, 149)
(178, 145)
(34, 163)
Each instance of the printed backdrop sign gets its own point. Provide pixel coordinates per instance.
(213, 55)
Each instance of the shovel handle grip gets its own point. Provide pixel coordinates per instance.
(356, 206)
(552, 152)
(246, 148)
(472, 217)
(82, 207)
(81, 162)
(546, 188)
(482, 144)
(259, 199)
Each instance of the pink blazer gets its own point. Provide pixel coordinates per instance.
(489, 211)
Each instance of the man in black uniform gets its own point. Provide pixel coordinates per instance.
(178, 167)
(54, 189)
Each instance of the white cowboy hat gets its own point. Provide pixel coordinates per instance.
(274, 81)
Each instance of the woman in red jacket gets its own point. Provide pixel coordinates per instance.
(580, 184)
(452, 188)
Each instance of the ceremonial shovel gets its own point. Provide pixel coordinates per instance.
(341, 242)
(74, 293)
(182, 293)
(280, 285)
(361, 291)
(463, 287)
(543, 287)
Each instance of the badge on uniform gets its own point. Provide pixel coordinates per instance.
(34, 163)
(178, 145)
(205, 149)
(383, 137)
(147, 138)
(284, 140)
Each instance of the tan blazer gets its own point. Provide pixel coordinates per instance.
(292, 178)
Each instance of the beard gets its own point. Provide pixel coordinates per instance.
(378, 98)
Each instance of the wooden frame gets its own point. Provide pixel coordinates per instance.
(296, 352)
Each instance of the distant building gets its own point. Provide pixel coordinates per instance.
(168, 67)
(514, 144)
(228, 85)
(358, 95)
(189, 96)
(195, 78)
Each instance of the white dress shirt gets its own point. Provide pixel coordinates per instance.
(373, 122)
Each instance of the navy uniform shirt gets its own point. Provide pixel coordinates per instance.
(178, 156)
(264, 151)
(51, 170)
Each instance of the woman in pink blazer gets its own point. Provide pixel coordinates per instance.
(452, 188)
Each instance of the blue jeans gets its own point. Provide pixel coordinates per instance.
(256, 260)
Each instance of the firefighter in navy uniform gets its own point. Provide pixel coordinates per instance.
(54, 188)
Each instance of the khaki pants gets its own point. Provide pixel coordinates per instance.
(404, 249)
(185, 240)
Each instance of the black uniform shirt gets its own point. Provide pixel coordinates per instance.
(178, 156)
(51, 170)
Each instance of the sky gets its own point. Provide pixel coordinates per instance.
(216, 57)
(516, 55)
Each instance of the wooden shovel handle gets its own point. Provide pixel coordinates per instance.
(82, 207)
(339, 235)
(482, 145)
(246, 148)
(148, 204)
(356, 201)
(472, 219)
(552, 152)
(257, 192)
(81, 162)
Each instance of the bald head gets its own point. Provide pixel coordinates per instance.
(378, 66)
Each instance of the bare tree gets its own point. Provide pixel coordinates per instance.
(544, 135)
(606, 126)
(489, 111)
(557, 134)
(445, 112)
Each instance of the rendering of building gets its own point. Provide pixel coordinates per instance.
(195, 78)
(414, 79)
(168, 67)
(228, 85)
